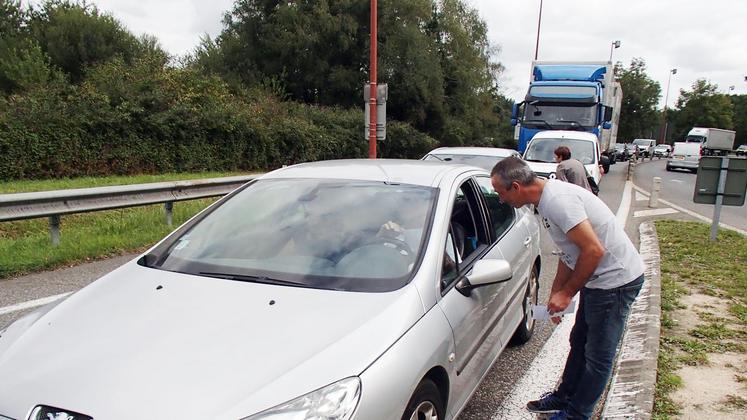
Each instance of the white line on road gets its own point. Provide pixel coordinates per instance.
(640, 197)
(32, 303)
(654, 212)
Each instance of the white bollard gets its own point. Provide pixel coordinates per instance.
(653, 199)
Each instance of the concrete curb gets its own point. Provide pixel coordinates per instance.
(631, 392)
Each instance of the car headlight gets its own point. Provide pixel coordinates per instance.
(333, 402)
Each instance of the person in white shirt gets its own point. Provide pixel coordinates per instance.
(598, 260)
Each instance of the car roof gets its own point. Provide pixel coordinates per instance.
(404, 171)
(565, 134)
(478, 151)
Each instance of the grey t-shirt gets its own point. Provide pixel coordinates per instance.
(563, 206)
(573, 171)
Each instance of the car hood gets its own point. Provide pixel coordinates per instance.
(141, 340)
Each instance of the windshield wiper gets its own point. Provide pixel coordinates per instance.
(251, 279)
(539, 122)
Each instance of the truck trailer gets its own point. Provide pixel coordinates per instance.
(713, 141)
(578, 96)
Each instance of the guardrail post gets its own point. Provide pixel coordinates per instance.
(54, 229)
(653, 199)
(169, 209)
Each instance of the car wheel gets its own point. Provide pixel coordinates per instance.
(669, 168)
(425, 403)
(526, 328)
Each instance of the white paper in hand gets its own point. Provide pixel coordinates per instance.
(540, 312)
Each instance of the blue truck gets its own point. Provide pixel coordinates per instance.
(582, 96)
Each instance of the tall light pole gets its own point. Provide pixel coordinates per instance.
(664, 122)
(539, 23)
(615, 44)
(374, 88)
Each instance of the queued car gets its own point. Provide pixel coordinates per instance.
(662, 150)
(482, 157)
(540, 153)
(359, 289)
(741, 150)
(686, 155)
(645, 147)
(622, 152)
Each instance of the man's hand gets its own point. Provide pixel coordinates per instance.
(559, 300)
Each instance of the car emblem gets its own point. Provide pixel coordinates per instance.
(44, 412)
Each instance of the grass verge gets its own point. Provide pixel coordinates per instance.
(690, 263)
(25, 245)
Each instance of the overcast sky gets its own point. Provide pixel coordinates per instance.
(701, 38)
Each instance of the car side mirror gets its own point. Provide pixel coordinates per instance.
(607, 114)
(484, 273)
(606, 125)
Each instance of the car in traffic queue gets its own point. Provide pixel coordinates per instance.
(622, 152)
(686, 155)
(645, 147)
(662, 150)
(351, 289)
(483, 157)
(540, 153)
(741, 150)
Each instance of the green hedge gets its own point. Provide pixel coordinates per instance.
(142, 118)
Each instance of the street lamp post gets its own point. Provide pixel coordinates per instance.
(664, 122)
(539, 23)
(615, 44)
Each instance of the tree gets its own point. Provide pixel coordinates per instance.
(703, 106)
(638, 115)
(76, 36)
(740, 118)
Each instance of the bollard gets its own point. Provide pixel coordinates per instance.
(54, 229)
(169, 209)
(631, 168)
(653, 199)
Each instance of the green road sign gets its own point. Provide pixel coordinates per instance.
(707, 182)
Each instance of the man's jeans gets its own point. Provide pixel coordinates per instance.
(600, 322)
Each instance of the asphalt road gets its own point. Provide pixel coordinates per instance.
(678, 186)
(495, 387)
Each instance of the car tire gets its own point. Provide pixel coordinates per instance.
(425, 403)
(524, 332)
(669, 168)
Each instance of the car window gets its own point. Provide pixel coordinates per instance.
(543, 150)
(501, 214)
(349, 235)
(467, 234)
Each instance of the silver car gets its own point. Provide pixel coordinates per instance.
(361, 289)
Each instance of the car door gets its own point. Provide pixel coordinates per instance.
(512, 242)
(475, 319)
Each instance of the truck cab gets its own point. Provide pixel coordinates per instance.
(568, 96)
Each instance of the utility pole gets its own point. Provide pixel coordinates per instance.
(664, 122)
(539, 23)
(372, 75)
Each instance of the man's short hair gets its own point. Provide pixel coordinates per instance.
(513, 169)
(563, 152)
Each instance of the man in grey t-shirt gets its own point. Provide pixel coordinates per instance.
(599, 261)
(570, 170)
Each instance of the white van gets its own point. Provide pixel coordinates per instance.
(540, 153)
(684, 156)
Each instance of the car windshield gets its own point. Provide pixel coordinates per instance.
(481, 161)
(642, 142)
(559, 116)
(333, 234)
(619, 146)
(543, 150)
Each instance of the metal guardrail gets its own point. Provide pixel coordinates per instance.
(54, 204)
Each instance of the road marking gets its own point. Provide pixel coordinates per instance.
(624, 208)
(676, 180)
(693, 214)
(654, 212)
(32, 303)
(640, 197)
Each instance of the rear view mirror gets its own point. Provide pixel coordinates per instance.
(606, 125)
(485, 272)
(607, 114)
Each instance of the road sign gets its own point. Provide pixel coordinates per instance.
(382, 92)
(707, 182)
